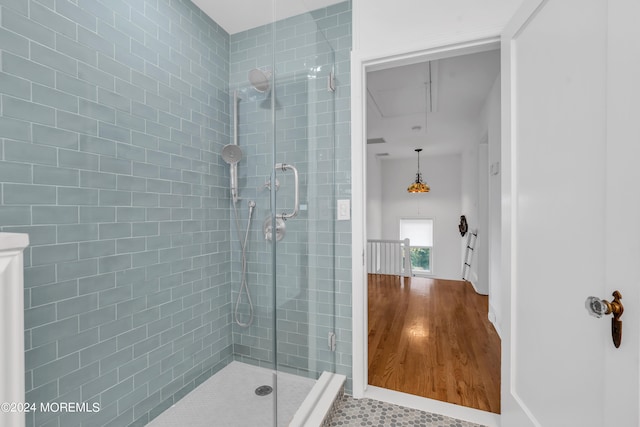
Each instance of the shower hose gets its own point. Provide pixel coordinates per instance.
(243, 272)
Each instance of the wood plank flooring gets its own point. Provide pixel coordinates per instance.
(432, 338)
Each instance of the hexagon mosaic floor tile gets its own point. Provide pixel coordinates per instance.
(368, 412)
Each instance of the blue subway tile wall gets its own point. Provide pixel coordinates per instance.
(312, 132)
(113, 115)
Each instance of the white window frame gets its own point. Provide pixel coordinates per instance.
(417, 272)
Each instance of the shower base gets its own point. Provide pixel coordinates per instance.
(229, 399)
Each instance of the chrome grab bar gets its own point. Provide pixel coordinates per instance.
(296, 190)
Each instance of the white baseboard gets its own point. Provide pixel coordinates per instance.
(494, 320)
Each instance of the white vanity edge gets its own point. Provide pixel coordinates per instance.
(12, 389)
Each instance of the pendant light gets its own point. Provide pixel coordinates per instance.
(418, 186)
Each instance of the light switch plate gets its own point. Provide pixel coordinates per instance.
(344, 210)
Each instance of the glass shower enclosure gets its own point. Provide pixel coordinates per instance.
(282, 203)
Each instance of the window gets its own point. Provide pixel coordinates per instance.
(420, 234)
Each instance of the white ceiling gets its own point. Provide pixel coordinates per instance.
(240, 15)
(398, 97)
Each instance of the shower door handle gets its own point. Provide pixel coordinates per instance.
(296, 190)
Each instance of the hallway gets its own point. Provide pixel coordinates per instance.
(432, 338)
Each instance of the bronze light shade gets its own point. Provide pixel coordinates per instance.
(418, 186)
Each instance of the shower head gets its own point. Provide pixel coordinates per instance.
(231, 154)
(260, 79)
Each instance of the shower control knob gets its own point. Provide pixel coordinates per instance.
(267, 184)
(267, 229)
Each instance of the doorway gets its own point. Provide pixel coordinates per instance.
(393, 162)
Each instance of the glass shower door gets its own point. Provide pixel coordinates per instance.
(281, 79)
(303, 260)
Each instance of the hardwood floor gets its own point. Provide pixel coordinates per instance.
(432, 338)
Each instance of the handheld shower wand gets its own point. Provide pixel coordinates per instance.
(232, 154)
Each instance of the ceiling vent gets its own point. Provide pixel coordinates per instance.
(376, 141)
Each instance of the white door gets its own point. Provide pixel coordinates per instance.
(571, 205)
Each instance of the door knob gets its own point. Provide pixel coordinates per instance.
(597, 307)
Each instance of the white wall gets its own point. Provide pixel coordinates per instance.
(470, 184)
(383, 27)
(481, 262)
(442, 204)
(475, 208)
(374, 197)
(492, 112)
(469, 208)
